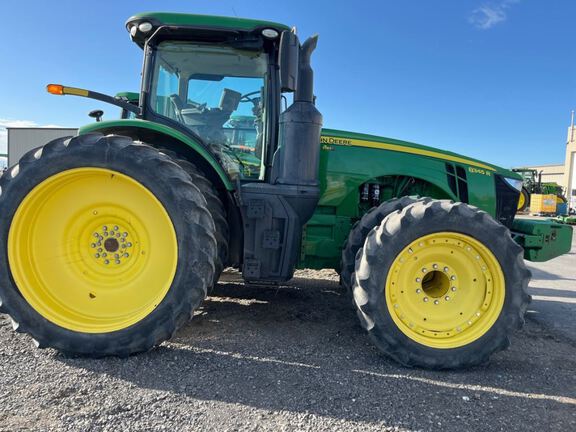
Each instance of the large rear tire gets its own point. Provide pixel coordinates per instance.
(106, 246)
(440, 285)
(214, 206)
(360, 230)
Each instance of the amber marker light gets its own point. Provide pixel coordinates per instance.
(55, 89)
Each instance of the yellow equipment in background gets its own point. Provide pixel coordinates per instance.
(543, 203)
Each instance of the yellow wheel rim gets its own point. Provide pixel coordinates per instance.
(92, 250)
(521, 201)
(445, 290)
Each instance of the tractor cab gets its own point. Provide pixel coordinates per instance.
(216, 81)
(202, 87)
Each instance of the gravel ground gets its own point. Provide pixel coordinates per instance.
(293, 358)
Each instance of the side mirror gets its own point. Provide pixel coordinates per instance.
(96, 114)
(289, 61)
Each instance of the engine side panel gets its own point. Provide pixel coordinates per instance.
(350, 161)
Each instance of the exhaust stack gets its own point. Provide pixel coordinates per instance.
(300, 127)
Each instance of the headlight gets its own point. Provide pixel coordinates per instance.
(145, 27)
(515, 183)
(270, 33)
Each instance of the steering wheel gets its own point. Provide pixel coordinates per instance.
(196, 105)
(246, 97)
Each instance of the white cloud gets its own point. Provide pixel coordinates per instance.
(4, 123)
(488, 15)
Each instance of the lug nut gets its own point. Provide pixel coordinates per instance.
(446, 269)
(452, 277)
(418, 291)
(424, 270)
(104, 228)
(453, 288)
(93, 245)
(106, 262)
(435, 266)
(425, 299)
(418, 279)
(115, 227)
(447, 298)
(117, 261)
(97, 255)
(436, 302)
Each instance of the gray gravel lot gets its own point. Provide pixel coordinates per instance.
(294, 358)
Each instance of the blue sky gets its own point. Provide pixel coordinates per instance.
(494, 80)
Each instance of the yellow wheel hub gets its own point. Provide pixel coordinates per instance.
(92, 250)
(445, 290)
(521, 201)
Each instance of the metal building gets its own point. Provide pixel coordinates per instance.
(21, 140)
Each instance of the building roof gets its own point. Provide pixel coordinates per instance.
(39, 127)
(540, 165)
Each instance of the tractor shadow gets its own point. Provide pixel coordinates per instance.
(539, 274)
(299, 347)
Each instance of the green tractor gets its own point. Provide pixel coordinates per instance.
(532, 184)
(111, 239)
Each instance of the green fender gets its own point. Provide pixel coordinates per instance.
(123, 126)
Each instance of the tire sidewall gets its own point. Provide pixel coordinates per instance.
(381, 261)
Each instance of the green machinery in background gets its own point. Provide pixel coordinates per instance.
(111, 239)
(532, 184)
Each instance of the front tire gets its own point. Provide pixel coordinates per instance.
(106, 246)
(360, 230)
(440, 285)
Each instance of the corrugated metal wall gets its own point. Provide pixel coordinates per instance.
(21, 140)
